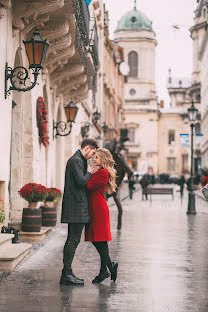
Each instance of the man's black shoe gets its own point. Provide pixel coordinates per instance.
(101, 277)
(68, 278)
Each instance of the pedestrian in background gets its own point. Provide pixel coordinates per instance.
(144, 183)
(75, 210)
(131, 183)
(205, 177)
(98, 231)
(181, 184)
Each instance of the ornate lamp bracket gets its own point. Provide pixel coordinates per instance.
(61, 128)
(18, 77)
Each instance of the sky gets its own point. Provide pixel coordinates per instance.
(174, 49)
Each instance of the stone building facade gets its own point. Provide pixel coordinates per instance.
(73, 70)
(200, 39)
(154, 131)
(113, 86)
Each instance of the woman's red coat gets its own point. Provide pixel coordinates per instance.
(99, 228)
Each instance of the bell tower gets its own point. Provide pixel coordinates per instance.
(135, 35)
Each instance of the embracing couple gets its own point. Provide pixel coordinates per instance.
(84, 205)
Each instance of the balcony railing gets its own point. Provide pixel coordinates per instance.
(94, 47)
(82, 27)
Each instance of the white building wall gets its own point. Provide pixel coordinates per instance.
(204, 106)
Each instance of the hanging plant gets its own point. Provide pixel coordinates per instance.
(42, 121)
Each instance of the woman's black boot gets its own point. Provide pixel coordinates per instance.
(114, 271)
(101, 277)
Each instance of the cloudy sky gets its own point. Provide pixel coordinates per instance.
(174, 48)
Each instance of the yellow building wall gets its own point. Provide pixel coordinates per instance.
(172, 122)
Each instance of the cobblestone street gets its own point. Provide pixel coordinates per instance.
(163, 265)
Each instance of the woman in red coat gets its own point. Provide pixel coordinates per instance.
(98, 231)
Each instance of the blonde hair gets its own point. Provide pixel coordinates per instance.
(107, 163)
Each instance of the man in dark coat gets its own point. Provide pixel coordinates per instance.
(75, 209)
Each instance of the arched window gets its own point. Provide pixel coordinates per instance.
(131, 134)
(133, 64)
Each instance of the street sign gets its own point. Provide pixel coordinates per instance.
(88, 1)
(184, 139)
(198, 139)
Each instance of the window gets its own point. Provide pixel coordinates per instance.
(198, 98)
(171, 137)
(205, 13)
(171, 164)
(197, 128)
(184, 163)
(131, 134)
(133, 64)
(132, 92)
(132, 161)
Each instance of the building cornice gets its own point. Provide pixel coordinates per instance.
(198, 27)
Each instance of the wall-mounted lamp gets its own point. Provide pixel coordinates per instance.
(84, 130)
(64, 128)
(105, 128)
(36, 49)
(96, 115)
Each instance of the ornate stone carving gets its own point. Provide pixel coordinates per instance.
(68, 71)
(55, 29)
(78, 94)
(4, 5)
(61, 48)
(23, 9)
(72, 83)
(31, 23)
(60, 44)
(52, 63)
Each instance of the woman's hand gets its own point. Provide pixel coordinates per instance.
(90, 168)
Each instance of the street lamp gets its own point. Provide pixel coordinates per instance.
(64, 128)
(96, 115)
(105, 128)
(84, 130)
(36, 49)
(192, 113)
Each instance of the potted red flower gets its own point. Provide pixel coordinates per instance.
(2, 213)
(32, 216)
(49, 211)
(51, 195)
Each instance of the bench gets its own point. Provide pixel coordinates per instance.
(158, 191)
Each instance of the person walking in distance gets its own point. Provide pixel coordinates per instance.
(75, 210)
(181, 184)
(131, 183)
(144, 183)
(98, 231)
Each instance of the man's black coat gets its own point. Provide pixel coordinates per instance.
(75, 202)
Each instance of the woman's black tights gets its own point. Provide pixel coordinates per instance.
(105, 261)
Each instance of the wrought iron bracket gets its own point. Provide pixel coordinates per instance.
(20, 73)
(61, 128)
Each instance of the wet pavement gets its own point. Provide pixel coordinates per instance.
(163, 265)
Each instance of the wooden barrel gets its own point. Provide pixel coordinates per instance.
(31, 220)
(49, 216)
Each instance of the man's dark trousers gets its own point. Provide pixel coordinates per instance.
(73, 240)
(75, 210)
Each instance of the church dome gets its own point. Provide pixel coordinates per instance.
(134, 19)
(200, 6)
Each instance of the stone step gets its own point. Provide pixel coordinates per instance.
(5, 239)
(11, 255)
